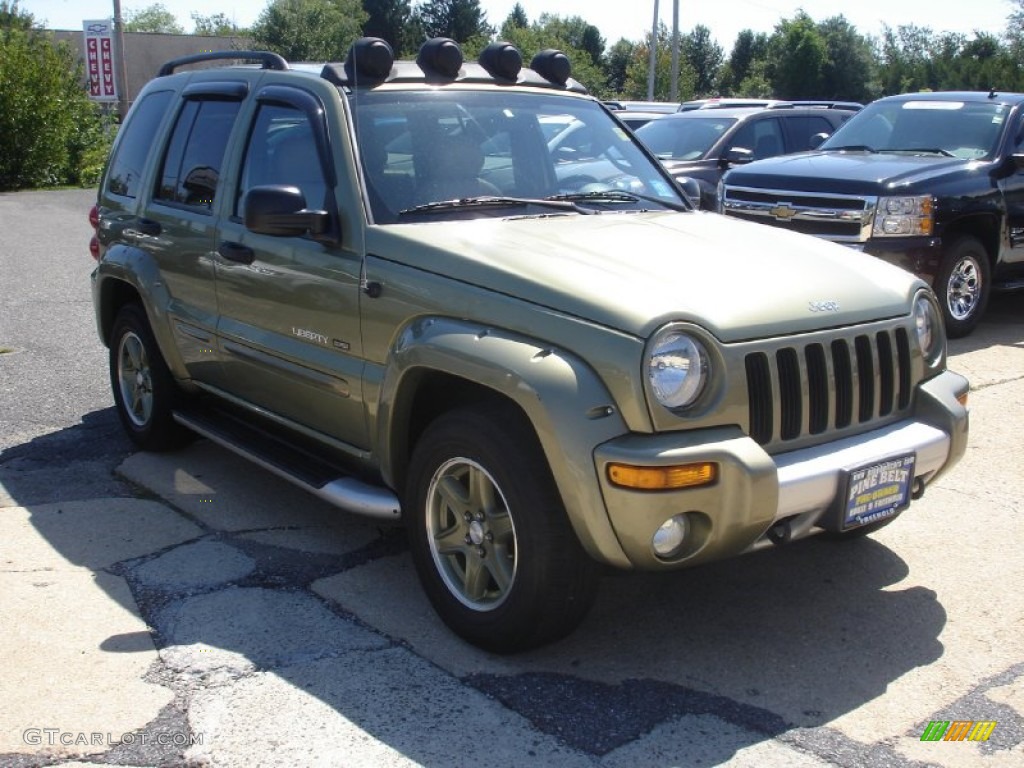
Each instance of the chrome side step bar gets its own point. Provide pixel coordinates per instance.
(346, 493)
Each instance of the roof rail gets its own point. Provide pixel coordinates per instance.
(266, 58)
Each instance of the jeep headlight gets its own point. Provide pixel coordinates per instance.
(928, 325)
(677, 368)
(904, 216)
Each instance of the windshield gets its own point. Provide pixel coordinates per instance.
(683, 138)
(965, 129)
(515, 152)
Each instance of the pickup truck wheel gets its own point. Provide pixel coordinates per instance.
(963, 285)
(144, 390)
(489, 535)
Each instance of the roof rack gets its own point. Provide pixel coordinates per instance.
(266, 58)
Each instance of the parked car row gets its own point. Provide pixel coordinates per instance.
(931, 182)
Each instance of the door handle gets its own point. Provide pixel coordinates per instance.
(149, 227)
(236, 252)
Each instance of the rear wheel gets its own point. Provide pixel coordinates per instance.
(144, 390)
(489, 536)
(963, 285)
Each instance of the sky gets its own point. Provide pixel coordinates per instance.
(615, 18)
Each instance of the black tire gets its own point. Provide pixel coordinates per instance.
(144, 390)
(963, 285)
(489, 535)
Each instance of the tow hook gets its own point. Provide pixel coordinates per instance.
(780, 533)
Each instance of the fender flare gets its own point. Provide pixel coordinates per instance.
(566, 402)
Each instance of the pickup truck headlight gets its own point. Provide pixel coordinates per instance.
(677, 367)
(928, 325)
(904, 216)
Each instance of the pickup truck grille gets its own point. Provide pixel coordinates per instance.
(841, 218)
(828, 384)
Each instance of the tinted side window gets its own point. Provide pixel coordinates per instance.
(127, 164)
(762, 137)
(801, 128)
(195, 153)
(282, 150)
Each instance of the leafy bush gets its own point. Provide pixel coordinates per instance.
(51, 134)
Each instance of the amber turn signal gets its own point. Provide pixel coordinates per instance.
(663, 478)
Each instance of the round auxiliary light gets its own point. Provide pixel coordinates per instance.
(440, 55)
(552, 65)
(669, 539)
(501, 59)
(370, 57)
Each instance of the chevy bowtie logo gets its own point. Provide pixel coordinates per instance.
(783, 212)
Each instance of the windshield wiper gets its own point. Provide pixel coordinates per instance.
(853, 148)
(617, 196)
(923, 151)
(492, 201)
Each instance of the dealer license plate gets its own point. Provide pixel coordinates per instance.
(878, 491)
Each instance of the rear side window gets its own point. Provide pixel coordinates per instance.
(191, 168)
(129, 160)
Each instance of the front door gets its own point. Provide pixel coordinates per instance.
(289, 306)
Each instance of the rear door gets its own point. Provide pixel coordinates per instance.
(289, 306)
(177, 226)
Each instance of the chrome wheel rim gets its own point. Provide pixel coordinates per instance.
(135, 379)
(963, 289)
(471, 534)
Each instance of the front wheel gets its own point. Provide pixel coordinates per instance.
(489, 536)
(963, 285)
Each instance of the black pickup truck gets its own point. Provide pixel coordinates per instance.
(932, 182)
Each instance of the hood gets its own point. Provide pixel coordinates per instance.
(853, 173)
(636, 271)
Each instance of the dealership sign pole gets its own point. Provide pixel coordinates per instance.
(99, 59)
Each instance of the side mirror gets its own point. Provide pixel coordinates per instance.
(281, 211)
(737, 156)
(690, 188)
(816, 139)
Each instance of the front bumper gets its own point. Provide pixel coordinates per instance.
(791, 495)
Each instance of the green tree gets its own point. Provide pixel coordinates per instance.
(635, 86)
(749, 52)
(705, 57)
(797, 59)
(153, 18)
(390, 20)
(849, 70)
(309, 30)
(461, 20)
(616, 63)
(517, 17)
(50, 132)
(216, 25)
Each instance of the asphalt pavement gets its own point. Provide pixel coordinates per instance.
(189, 609)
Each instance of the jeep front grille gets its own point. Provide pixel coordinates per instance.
(841, 218)
(827, 385)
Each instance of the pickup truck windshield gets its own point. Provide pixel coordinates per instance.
(420, 148)
(965, 129)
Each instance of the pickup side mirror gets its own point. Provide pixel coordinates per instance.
(281, 211)
(817, 139)
(690, 188)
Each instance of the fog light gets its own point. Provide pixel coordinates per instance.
(669, 539)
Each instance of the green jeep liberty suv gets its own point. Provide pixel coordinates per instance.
(463, 296)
